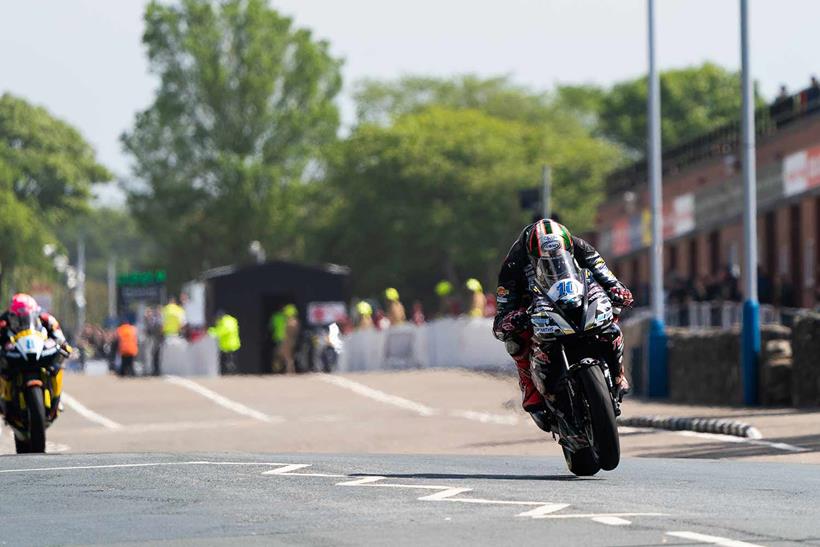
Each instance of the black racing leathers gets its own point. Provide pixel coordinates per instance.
(518, 273)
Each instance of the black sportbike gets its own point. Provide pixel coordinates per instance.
(571, 317)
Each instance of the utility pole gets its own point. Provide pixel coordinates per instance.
(658, 374)
(112, 287)
(79, 292)
(750, 343)
(546, 173)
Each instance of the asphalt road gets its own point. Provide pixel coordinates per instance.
(428, 457)
(265, 499)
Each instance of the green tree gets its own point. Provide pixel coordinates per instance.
(381, 101)
(694, 100)
(244, 106)
(48, 164)
(46, 172)
(434, 195)
(562, 135)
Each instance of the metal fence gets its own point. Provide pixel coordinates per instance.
(701, 315)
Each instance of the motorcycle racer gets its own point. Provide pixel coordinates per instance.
(516, 281)
(21, 308)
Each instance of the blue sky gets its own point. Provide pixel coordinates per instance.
(83, 60)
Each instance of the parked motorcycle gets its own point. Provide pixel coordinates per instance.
(570, 315)
(321, 348)
(31, 382)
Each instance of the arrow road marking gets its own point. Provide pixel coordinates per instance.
(449, 493)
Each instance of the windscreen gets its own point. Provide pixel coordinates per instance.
(25, 321)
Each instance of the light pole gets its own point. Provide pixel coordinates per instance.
(546, 173)
(658, 384)
(750, 342)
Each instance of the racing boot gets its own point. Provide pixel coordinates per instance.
(532, 401)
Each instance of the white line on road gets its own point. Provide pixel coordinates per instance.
(224, 402)
(89, 414)
(448, 493)
(381, 396)
(743, 440)
(714, 540)
(418, 408)
(129, 465)
(599, 515)
(486, 417)
(612, 521)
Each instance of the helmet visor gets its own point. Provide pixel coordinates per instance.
(24, 320)
(555, 267)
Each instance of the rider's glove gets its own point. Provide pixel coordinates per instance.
(621, 296)
(513, 323)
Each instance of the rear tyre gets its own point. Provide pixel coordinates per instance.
(602, 414)
(36, 419)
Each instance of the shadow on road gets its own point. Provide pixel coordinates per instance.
(722, 450)
(477, 476)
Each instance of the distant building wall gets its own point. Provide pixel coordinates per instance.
(702, 203)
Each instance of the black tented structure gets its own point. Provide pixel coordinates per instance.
(255, 292)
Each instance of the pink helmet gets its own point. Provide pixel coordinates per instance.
(23, 304)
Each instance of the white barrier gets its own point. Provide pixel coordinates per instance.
(444, 343)
(181, 358)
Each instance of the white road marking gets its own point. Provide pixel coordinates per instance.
(381, 396)
(132, 465)
(743, 440)
(56, 448)
(448, 493)
(513, 419)
(89, 414)
(545, 509)
(486, 417)
(714, 540)
(224, 402)
(444, 494)
(287, 469)
(612, 521)
(599, 515)
(418, 408)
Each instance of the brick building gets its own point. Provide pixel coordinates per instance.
(702, 203)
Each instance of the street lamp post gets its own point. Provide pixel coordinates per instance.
(658, 384)
(750, 350)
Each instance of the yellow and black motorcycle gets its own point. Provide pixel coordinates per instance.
(31, 381)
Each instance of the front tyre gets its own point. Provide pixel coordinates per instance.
(602, 414)
(36, 419)
(583, 463)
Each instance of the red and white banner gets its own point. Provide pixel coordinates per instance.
(325, 313)
(801, 171)
(679, 216)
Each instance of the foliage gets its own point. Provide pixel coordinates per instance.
(46, 172)
(383, 101)
(434, 195)
(694, 100)
(244, 105)
(47, 164)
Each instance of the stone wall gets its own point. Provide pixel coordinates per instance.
(806, 360)
(704, 366)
